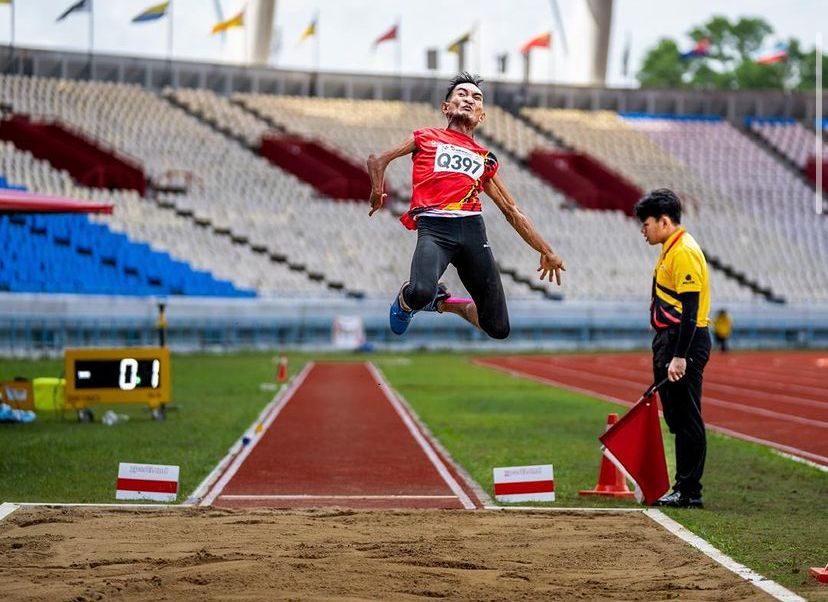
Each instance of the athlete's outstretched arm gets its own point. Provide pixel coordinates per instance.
(376, 170)
(550, 263)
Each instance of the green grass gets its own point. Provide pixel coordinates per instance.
(58, 459)
(765, 511)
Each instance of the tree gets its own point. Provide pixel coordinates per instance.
(663, 67)
(731, 61)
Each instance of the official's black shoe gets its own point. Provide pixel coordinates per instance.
(677, 499)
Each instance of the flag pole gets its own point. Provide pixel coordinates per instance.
(11, 37)
(91, 40)
(170, 33)
(316, 43)
(398, 58)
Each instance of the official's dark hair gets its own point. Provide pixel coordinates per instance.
(463, 78)
(662, 201)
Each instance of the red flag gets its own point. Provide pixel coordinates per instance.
(544, 40)
(391, 34)
(635, 446)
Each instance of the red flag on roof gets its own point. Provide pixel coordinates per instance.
(635, 446)
(544, 40)
(391, 34)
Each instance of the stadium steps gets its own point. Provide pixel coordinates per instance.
(211, 123)
(223, 230)
(777, 154)
(258, 115)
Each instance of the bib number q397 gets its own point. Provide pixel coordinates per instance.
(458, 160)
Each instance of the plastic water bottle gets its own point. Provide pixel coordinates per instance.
(111, 418)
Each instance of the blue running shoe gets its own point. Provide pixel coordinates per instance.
(398, 318)
(441, 295)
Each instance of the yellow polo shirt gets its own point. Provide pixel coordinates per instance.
(681, 268)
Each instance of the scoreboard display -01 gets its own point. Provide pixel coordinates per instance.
(117, 375)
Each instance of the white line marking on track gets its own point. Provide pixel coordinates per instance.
(556, 509)
(766, 585)
(303, 496)
(7, 508)
(242, 456)
(712, 427)
(208, 481)
(94, 505)
(820, 467)
(390, 394)
(708, 399)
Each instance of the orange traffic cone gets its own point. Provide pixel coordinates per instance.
(611, 481)
(282, 374)
(819, 573)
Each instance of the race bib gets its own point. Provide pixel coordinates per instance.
(459, 160)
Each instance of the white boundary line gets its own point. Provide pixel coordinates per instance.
(819, 467)
(766, 585)
(7, 508)
(617, 400)
(202, 487)
(419, 438)
(242, 455)
(482, 496)
(557, 509)
(93, 505)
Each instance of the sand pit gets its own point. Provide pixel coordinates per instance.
(84, 554)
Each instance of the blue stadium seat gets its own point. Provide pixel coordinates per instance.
(70, 254)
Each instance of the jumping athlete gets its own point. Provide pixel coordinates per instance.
(450, 169)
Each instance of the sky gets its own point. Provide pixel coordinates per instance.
(347, 29)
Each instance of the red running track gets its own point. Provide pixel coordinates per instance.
(780, 400)
(341, 437)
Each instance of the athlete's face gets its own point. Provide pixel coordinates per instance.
(656, 231)
(465, 104)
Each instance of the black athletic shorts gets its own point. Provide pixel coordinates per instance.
(462, 242)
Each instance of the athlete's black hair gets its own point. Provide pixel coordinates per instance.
(463, 78)
(662, 201)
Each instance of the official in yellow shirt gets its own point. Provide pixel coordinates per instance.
(722, 329)
(680, 303)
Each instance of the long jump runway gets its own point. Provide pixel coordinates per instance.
(780, 400)
(341, 437)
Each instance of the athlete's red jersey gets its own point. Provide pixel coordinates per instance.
(449, 171)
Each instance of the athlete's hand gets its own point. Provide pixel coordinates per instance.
(677, 369)
(377, 201)
(551, 265)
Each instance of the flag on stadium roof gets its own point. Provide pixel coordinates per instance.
(777, 54)
(544, 40)
(391, 34)
(458, 43)
(701, 48)
(152, 13)
(237, 21)
(84, 6)
(310, 30)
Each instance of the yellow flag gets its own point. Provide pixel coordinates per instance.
(237, 21)
(455, 46)
(5, 1)
(310, 30)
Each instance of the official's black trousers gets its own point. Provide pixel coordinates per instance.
(462, 242)
(681, 402)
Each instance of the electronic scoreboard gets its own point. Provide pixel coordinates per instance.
(117, 375)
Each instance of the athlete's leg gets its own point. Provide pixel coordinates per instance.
(430, 260)
(478, 271)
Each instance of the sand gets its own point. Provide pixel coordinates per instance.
(84, 554)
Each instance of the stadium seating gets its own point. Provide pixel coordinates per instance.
(734, 229)
(200, 142)
(770, 198)
(142, 221)
(789, 137)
